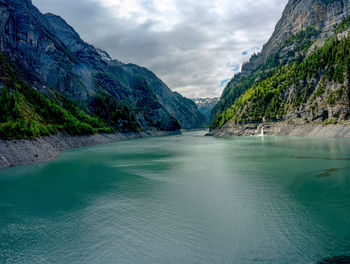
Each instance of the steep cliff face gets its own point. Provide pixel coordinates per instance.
(297, 16)
(28, 43)
(183, 109)
(48, 54)
(179, 107)
(302, 73)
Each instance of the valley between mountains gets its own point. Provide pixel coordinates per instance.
(56, 88)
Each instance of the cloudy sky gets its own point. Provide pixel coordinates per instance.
(195, 46)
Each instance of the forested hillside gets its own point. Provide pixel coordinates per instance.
(25, 113)
(54, 81)
(306, 80)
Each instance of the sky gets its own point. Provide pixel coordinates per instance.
(194, 46)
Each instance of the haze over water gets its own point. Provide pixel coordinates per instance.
(181, 199)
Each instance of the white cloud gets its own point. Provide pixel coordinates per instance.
(192, 45)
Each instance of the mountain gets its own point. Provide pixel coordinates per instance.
(43, 55)
(183, 109)
(206, 105)
(302, 74)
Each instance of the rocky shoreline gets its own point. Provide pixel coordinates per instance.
(25, 152)
(285, 129)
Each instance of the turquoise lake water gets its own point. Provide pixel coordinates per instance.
(181, 199)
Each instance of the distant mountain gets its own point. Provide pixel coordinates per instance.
(183, 109)
(302, 74)
(44, 56)
(206, 105)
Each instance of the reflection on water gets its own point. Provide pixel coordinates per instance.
(301, 157)
(181, 199)
(336, 260)
(329, 172)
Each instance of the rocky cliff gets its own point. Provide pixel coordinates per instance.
(300, 14)
(301, 75)
(183, 109)
(48, 55)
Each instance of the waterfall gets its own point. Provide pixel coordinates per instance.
(262, 132)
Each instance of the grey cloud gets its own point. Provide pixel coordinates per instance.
(192, 57)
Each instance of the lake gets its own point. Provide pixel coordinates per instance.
(181, 199)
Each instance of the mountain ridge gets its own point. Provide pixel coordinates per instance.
(189, 117)
(48, 55)
(301, 75)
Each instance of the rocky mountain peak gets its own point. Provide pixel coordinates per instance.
(301, 74)
(297, 16)
(48, 54)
